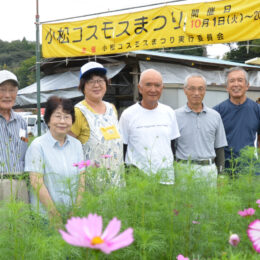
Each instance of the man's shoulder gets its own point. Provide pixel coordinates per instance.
(165, 111)
(254, 106)
(221, 104)
(165, 107)
(131, 109)
(19, 118)
(212, 112)
(252, 103)
(180, 110)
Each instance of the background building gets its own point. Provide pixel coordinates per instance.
(62, 78)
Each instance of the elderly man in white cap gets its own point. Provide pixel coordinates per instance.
(13, 141)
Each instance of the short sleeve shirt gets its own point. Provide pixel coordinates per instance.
(148, 135)
(241, 122)
(201, 133)
(55, 162)
(13, 144)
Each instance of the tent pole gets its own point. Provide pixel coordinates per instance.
(135, 83)
(37, 23)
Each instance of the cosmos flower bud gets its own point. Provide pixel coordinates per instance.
(234, 240)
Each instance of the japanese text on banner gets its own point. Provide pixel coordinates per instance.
(163, 27)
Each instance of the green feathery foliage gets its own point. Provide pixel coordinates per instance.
(190, 218)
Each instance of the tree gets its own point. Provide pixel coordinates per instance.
(12, 53)
(190, 50)
(25, 72)
(243, 53)
(19, 57)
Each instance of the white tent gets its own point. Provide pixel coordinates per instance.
(60, 84)
(173, 67)
(175, 73)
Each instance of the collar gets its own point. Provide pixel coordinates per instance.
(85, 103)
(188, 110)
(13, 116)
(140, 103)
(55, 142)
(235, 105)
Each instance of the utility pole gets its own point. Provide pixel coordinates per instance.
(37, 23)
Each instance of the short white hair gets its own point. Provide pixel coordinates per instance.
(228, 71)
(149, 70)
(194, 75)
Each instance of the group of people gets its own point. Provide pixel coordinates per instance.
(149, 136)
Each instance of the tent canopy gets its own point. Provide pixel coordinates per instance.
(175, 73)
(174, 68)
(60, 84)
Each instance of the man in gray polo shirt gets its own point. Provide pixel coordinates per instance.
(203, 138)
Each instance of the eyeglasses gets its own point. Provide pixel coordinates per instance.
(193, 89)
(93, 82)
(65, 117)
(7, 90)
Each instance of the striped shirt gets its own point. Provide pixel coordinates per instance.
(12, 147)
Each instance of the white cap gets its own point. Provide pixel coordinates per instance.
(7, 75)
(91, 67)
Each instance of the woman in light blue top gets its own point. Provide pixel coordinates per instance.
(56, 183)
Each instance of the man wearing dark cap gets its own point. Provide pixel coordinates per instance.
(13, 141)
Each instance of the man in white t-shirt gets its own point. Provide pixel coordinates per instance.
(149, 129)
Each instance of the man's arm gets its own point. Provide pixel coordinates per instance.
(173, 148)
(124, 150)
(220, 159)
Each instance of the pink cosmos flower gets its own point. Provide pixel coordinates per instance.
(234, 240)
(84, 164)
(195, 222)
(258, 202)
(87, 232)
(181, 257)
(247, 212)
(253, 233)
(105, 156)
(175, 212)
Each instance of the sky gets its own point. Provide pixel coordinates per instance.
(17, 18)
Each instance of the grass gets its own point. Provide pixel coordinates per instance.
(191, 219)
